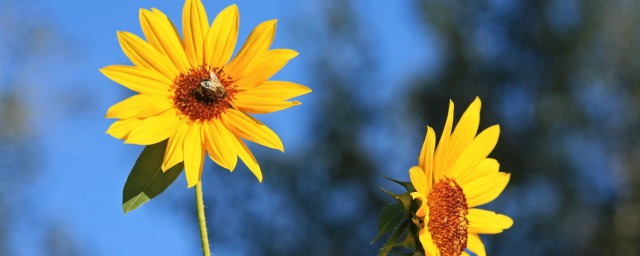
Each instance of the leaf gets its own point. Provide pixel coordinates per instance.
(406, 200)
(147, 180)
(390, 244)
(409, 241)
(390, 217)
(389, 193)
(407, 185)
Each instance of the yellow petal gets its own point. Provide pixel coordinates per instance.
(218, 146)
(247, 157)
(486, 188)
(120, 129)
(257, 105)
(229, 138)
(419, 180)
(463, 135)
(222, 37)
(193, 154)
(161, 33)
(422, 186)
(487, 222)
(265, 68)
(139, 105)
(423, 210)
(174, 153)
(427, 242)
(475, 244)
(440, 155)
(139, 79)
(478, 150)
(195, 26)
(144, 55)
(279, 90)
(253, 49)
(155, 129)
(485, 167)
(251, 129)
(425, 160)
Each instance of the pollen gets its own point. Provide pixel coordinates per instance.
(200, 96)
(448, 212)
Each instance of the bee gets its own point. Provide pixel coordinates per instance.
(213, 83)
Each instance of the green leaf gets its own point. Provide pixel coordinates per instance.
(147, 180)
(406, 200)
(389, 193)
(390, 244)
(409, 241)
(391, 216)
(407, 185)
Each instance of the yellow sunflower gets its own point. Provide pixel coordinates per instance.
(191, 93)
(452, 179)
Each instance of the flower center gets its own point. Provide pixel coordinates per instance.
(203, 94)
(447, 217)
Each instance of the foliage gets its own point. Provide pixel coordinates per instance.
(147, 180)
(399, 219)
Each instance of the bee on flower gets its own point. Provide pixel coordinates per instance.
(192, 93)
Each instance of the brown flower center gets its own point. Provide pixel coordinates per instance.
(448, 217)
(203, 94)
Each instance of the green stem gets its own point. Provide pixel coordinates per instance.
(201, 221)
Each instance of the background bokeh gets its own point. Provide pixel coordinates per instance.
(561, 77)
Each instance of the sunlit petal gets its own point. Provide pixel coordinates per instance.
(440, 155)
(174, 153)
(218, 144)
(247, 157)
(161, 33)
(120, 129)
(278, 90)
(155, 129)
(476, 151)
(139, 79)
(475, 244)
(253, 49)
(419, 180)
(257, 105)
(487, 222)
(267, 66)
(251, 129)
(193, 155)
(425, 160)
(486, 188)
(144, 55)
(462, 136)
(140, 105)
(221, 38)
(195, 26)
(486, 167)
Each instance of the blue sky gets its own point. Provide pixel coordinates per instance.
(83, 170)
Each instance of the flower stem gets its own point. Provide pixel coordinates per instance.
(201, 221)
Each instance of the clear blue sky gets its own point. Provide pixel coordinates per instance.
(83, 170)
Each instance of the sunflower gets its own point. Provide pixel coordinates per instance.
(191, 93)
(454, 178)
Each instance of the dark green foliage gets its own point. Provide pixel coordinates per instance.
(399, 219)
(147, 180)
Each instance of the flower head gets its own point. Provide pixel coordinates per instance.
(191, 93)
(454, 178)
